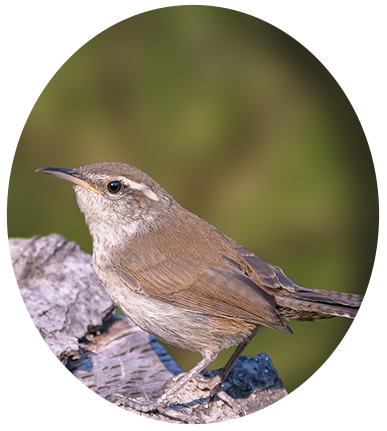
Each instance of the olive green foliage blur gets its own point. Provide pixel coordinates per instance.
(242, 125)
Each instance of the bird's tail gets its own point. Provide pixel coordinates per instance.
(311, 304)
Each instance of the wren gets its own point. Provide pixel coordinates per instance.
(181, 279)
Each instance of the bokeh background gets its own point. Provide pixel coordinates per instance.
(242, 125)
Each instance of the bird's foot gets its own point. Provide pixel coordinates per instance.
(214, 385)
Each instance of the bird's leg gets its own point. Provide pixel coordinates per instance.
(161, 404)
(214, 384)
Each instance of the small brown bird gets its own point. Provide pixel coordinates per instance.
(181, 279)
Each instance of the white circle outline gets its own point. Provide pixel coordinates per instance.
(17, 142)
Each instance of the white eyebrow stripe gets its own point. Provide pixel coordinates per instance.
(132, 184)
(151, 194)
(139, 186)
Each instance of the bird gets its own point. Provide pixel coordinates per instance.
(181, 279)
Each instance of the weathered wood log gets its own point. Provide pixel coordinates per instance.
(107, 352)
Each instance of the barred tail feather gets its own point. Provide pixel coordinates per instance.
(311, 304)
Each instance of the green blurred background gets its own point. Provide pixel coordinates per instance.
(242, 125)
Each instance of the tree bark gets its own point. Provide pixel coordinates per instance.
(106, 351)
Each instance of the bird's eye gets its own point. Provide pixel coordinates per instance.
(114, 187)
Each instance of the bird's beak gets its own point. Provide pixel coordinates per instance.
(69, 175)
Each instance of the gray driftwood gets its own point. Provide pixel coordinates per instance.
(107, 352)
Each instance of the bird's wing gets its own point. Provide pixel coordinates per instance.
(186, 282)
(265, 274)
